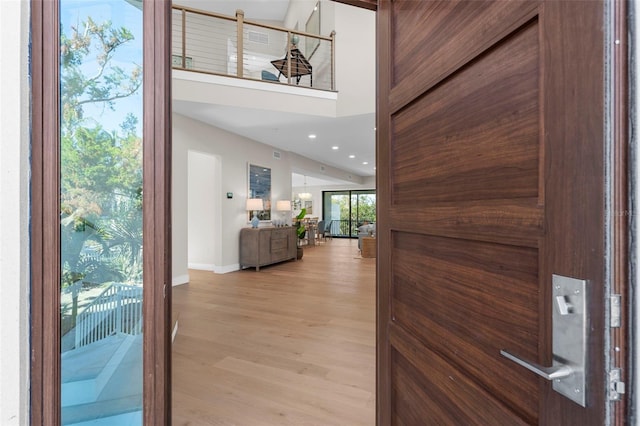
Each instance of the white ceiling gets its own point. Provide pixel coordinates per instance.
(271, 10)
(353, 135)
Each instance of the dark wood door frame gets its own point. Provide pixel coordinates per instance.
(620, 337)
(45, 213)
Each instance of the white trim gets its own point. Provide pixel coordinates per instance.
(14, 215)
(182, 279)
(253, 84)
(226, 269)
(202, 266)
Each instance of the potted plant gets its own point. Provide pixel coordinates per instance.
(300, 231)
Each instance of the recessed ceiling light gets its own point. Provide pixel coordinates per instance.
(335, 148)
(312, 136)
(365, 162)
(352, 156)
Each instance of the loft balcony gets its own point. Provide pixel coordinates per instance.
(230, 46)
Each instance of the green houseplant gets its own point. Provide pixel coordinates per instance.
(300, 230)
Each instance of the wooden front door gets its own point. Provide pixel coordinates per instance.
(491, 179)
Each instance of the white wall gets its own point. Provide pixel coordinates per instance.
(355, 49)
(355, 59)
(298, 14)
(14, 199)
(234, 152)
(204, 211)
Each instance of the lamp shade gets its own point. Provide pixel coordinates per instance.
(283, 205)
(305, 195)
(254, 204)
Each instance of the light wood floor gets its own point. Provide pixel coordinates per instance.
(293, 344)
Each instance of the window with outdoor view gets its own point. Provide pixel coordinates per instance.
(347, 210)
(101, 212)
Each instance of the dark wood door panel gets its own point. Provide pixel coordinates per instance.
(516, 222)
(440, 294)
(477, 133)
(450, 34)
(490, 180)
(429, 391)
(574, 164)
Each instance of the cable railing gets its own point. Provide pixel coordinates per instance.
(213, 43)
(342, 228)
(118, 309)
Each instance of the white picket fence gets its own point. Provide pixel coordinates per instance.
(118, 309)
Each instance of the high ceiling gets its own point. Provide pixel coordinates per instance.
(271, 10)
(354, 136)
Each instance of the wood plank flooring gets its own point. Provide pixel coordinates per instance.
(293, 344)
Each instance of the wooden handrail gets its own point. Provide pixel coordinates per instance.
(242, 26)
(249, 22)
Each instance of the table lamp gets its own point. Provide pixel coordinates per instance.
(254, 204)
(283, 206)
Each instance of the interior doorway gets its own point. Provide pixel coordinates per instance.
(204, 211)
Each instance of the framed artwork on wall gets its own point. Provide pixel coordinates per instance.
(260, 187)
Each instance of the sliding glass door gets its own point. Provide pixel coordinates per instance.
(347, 210)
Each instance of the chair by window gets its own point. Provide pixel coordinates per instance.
(321, 229)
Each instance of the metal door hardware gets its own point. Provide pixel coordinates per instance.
(616, 385)
(568, 372)
(615, 310)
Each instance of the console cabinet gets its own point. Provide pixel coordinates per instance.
(264, 246)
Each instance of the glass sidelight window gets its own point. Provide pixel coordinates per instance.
(101, 53)
(347, 210)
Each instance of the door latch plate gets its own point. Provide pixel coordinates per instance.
(570, 335)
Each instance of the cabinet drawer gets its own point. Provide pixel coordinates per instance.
(279, 234)
(278, 244)
(278, 255)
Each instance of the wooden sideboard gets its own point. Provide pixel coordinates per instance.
(264, 246)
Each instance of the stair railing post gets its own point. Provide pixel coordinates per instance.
(240, 43)
(333, 60)
(184, 38)
(289, 35)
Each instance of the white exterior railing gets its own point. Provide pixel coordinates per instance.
(118, 309)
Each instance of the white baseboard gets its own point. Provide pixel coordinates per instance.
(226, 269)
(182, 279)
(202, 266)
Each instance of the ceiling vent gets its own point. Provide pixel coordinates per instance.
(276, 155)
(322, 168)
(258, 37)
